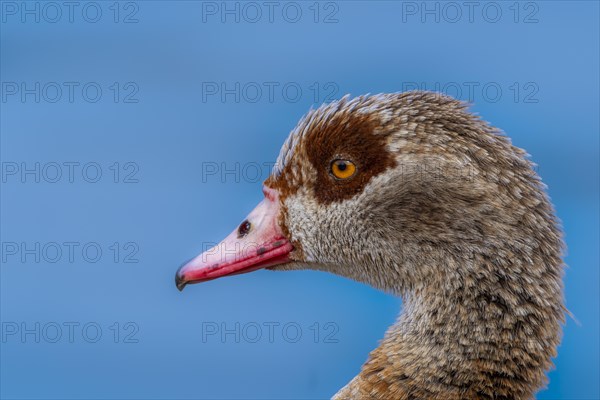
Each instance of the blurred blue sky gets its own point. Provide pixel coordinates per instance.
(161, 119)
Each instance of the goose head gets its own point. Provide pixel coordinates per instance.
(414, 195)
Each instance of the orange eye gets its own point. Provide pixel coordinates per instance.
(343, 169)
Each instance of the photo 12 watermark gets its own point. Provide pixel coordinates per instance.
(270, 332)
(54, 172)
(70, 252)
(254, 12)
(268, 91)
(69, 92)
(526, 92)
(69, 332)
(452, 12)
(71, 12)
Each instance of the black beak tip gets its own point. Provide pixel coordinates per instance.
(179, 281)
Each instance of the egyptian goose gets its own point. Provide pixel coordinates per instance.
(414, 195)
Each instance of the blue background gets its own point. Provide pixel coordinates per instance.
(176, 130)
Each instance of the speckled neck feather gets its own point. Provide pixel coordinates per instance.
(445, 213)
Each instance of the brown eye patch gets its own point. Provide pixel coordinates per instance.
(352, 135)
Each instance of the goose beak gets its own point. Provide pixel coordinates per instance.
(258, 242)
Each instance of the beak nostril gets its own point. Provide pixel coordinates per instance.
(244, 228)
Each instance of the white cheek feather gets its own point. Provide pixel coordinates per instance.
(302, 221)
(313, 224)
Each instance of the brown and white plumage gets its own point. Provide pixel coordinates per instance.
(443, 211)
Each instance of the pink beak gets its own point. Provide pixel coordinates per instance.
(257, 243)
